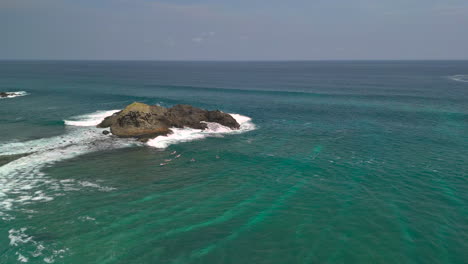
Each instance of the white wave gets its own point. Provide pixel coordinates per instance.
(459, 78)
(90, 119)
(189, 134)
(22, 181)
(96, 186)
(14, 94)
(72, 136)
(22, 258)
(18, 237)
(23, 243)
(87, 218)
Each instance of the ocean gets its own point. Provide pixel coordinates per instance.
(335, 162)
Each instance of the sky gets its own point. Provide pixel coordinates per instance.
(234, 30)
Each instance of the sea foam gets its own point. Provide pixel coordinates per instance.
(459, 78)
(90, 119)
(28, 248)
(14, 94)
(22, 181)
(189, 134)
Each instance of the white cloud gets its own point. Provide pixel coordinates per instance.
(197, 40)
(203, 36)
(208, 34)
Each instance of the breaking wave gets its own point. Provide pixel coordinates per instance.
(22, 180)
(90, 119)
(14, 94)
(189, 134)
(459, 78)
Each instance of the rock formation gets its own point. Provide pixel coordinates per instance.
(10, 94)
(148, 121)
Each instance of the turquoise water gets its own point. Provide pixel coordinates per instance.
(349, 162)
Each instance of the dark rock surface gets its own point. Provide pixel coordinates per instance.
(148, 121)
(8, 94)
(4, 159)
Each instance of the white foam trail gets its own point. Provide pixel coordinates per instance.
(459, 78)
(18, 237)
(87, 218)
(23, 243)
(23, 182)
(72, 136)
(91, 119)
(22, 258)
(189, 134)
(14, 94)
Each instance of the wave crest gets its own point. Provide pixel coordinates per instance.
(22, 180)
(459, 78)
(14, 94)
(88, 120)
(189, 134)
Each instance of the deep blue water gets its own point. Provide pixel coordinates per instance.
(350, 162)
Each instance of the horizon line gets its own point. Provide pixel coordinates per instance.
(253, 60)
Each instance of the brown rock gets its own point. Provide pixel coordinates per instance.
(148, 121)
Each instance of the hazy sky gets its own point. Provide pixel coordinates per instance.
(234, 30)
